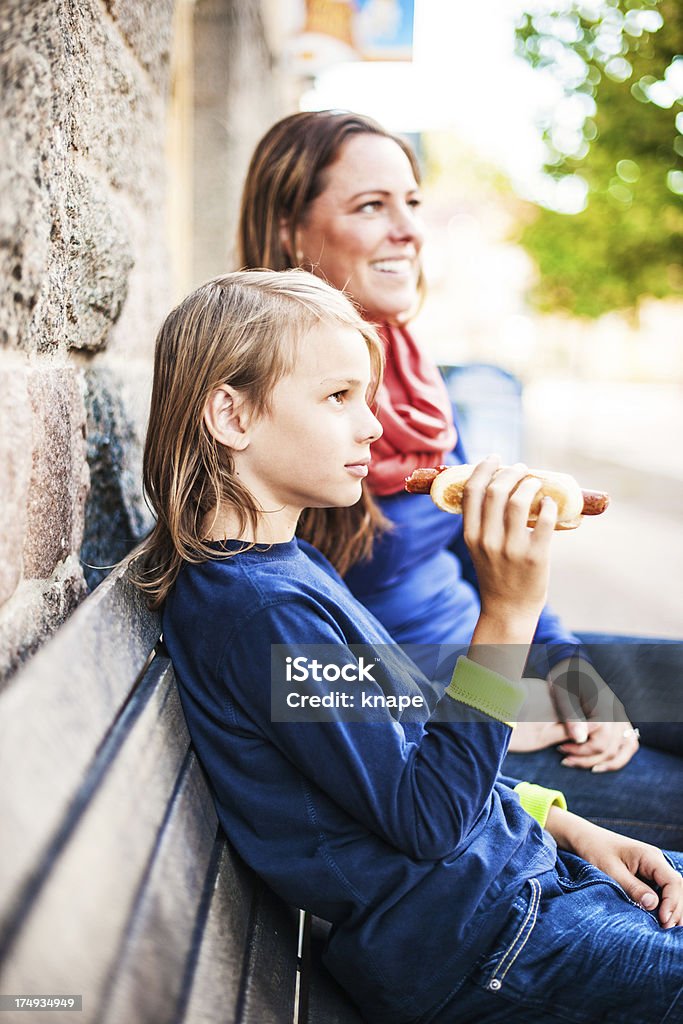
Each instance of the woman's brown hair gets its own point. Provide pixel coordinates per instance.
(287, 173)
(241, 329)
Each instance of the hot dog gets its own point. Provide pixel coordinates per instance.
(447, 483)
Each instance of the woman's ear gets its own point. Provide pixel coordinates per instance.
(226, 417)
(295, 258)
(285, 240)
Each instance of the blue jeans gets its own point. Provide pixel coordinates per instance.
(574, 948)
(644, 799)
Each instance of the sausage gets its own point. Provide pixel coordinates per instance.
(594, 503)
(420, 482)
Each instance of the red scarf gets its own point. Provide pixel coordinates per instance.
(415, 412)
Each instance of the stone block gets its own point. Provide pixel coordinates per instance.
(147, 28)
(112, 112)
(98, 264)
(59, 477)
(25, 209)
(35, 611)
(116, 516)
(15, 473)
(149, 298)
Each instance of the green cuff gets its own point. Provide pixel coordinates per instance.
(537, 800)
(486, 691)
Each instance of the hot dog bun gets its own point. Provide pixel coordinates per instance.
(448, 486)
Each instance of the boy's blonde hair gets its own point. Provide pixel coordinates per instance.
(241, 329)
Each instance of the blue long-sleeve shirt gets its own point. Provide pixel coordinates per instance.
(398, 828)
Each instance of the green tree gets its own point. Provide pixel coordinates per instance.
(619, 65)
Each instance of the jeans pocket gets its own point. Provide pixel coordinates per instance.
(514, 938)
(670, 860)
(590, 875)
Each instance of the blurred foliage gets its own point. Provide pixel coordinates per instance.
(619, 126)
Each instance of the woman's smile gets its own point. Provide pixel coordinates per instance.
(363, 233)
(398, 266)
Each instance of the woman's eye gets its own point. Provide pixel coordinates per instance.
(371, 207)
(338, 397)
(415, 203)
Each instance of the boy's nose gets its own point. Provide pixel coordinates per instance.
(373, 428)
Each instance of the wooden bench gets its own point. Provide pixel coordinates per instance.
(117, 884)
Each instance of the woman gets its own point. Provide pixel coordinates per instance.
(334, 193)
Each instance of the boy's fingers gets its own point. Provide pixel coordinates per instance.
(519, 501)
(474, 493)
(636, 890)
(653, 866)
(670, 883)
(545, 523)
(497, 496)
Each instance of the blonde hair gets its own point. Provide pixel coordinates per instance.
(241, 329)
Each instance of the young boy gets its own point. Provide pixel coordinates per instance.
(377, 806)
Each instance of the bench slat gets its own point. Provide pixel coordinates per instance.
(270, 979)
(75, 922)
(149, 980)
(221, 976)
(57, 712)
(217, 977)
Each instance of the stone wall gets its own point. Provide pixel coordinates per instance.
(124, 125)
(239, 91)
(84, 263)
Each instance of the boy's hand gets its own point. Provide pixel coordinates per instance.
(511, 560)
(630, 863)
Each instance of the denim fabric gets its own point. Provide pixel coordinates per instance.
(644, 799)
(574, 948)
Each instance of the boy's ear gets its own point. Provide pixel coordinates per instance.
(226, 417)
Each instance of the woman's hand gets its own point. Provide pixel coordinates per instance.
(630, 863)
(609, 746)
(600, 736)
(543, 728)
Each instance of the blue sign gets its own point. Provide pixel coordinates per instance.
(383, 29)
